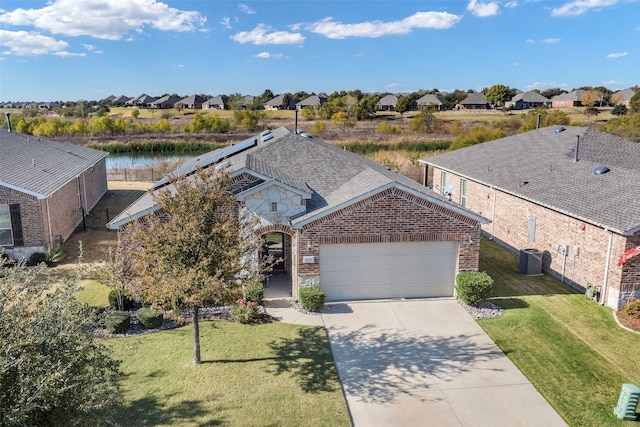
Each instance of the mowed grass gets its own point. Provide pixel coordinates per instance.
(272, 374)
(569, 347)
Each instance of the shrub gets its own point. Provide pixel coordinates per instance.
(312, 298)
(632, 309)
(318, 127)
(117, 322)
(37, 258)
(255, 293)
(244, 311)
(149, 319)
(474, 287)
(127, 302)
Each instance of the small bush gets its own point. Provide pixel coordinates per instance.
(632, 309)
(37, 258)
(127, 302)
(244, 311)
(474, 287)
(312, 298)
(255, 293)
(117, 322)
(149, 319)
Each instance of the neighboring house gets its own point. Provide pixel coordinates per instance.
(44, 186)
(193, 102)
(216, 103)
(571, 99)
(167, 101)
(526, 100)
(143, 101)
(388, 102)
(121, 100)
(312, 101)
(340, 220)
(548, 190)
(281, 102)
(430, 100)
(475, 101)
(623, 97)
(49, 105)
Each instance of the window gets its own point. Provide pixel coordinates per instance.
(274, 207)
(463, 192)
(6, 233)
(443, 179)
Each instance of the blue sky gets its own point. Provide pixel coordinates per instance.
(90, 49)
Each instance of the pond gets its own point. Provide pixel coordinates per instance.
(129, 160)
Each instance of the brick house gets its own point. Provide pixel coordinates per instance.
(571, 99)
(571, 193)
(341, 221)
(42, 183)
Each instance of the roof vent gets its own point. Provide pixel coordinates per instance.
(266, 132)
(267, 137)
(601, 170)
(560, 129)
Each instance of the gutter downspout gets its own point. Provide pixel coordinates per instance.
(493, 213)
(603, 298)
(49, 224)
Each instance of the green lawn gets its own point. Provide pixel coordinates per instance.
(570, 348)
(273, 374)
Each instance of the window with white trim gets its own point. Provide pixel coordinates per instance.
(463, 192)
(443, 179)
(6, 232)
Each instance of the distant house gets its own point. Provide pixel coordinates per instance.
(193, 102)
(312, 101)
(281, 102)
(49, 105)
(571, 99)
(623, 97)
(569, 194)
(44, 188)
(121, 100)
(167, 101)
(141, 101)
(216, 103)
(475, 101)
(430, 100)
(338, 220)
(526, 100)
(388, 102)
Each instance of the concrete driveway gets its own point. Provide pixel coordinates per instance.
(427, 363)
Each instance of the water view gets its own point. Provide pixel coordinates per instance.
(129, 160)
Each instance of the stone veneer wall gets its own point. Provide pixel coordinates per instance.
(510, 218)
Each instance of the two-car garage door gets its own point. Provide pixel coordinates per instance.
(388, 270)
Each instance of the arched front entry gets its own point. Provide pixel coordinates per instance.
(277, 244)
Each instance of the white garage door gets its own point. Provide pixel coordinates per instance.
(388, 270)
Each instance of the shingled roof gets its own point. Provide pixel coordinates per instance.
(539, 166)
(40, 167)
(329, 176)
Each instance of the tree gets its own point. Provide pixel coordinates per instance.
(115, 273)
(135, 113)
(550, 93)
(342, 121)
(423, 122)
(405, 103)
(590, 98)
(196, 251)
(266, 96)
(498, 94)
(619, 110)
(634, 103)
(52, 371)
(590, 111)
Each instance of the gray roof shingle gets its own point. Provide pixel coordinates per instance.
(539, 166)
(40, 167)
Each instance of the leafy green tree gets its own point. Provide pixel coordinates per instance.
(342, 121)
(53, 372)
(634, 103)
(266, 96)
(499, 94)
(405, 103)
(195, 251)
(550, 93)
(115, 272)
(135, 113)
(308, 112)
(619, 110)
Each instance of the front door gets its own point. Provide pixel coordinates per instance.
(274, 247)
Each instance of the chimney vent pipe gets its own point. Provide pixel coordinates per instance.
(575, 158)
(8, 121)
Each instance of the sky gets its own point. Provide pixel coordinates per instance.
(67, 50)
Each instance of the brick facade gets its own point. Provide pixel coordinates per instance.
(592, 253)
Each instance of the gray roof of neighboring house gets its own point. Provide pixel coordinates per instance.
(389, 100)
(538, 166)
(277, 101)
(313, 100)
(167, 100)
(625, 95)
(40, 167)
(575, 95)
(121, 99)
(474, 98)
(532, 97)
(331, 176)
(429, 99)
(216, 100)
(192, 100)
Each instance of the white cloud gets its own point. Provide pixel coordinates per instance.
(226, 23)
(66, 54)
(616, 55)
(103, 19)
(545, 85)
(263, 34)
(246, 9)
(337, 30)
(89, 47)
(579, 7)
(23, 43)
(482, 9)
(267, 55)
(544, 41)
(511, 4)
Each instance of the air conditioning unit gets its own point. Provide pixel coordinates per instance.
(530, 262)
